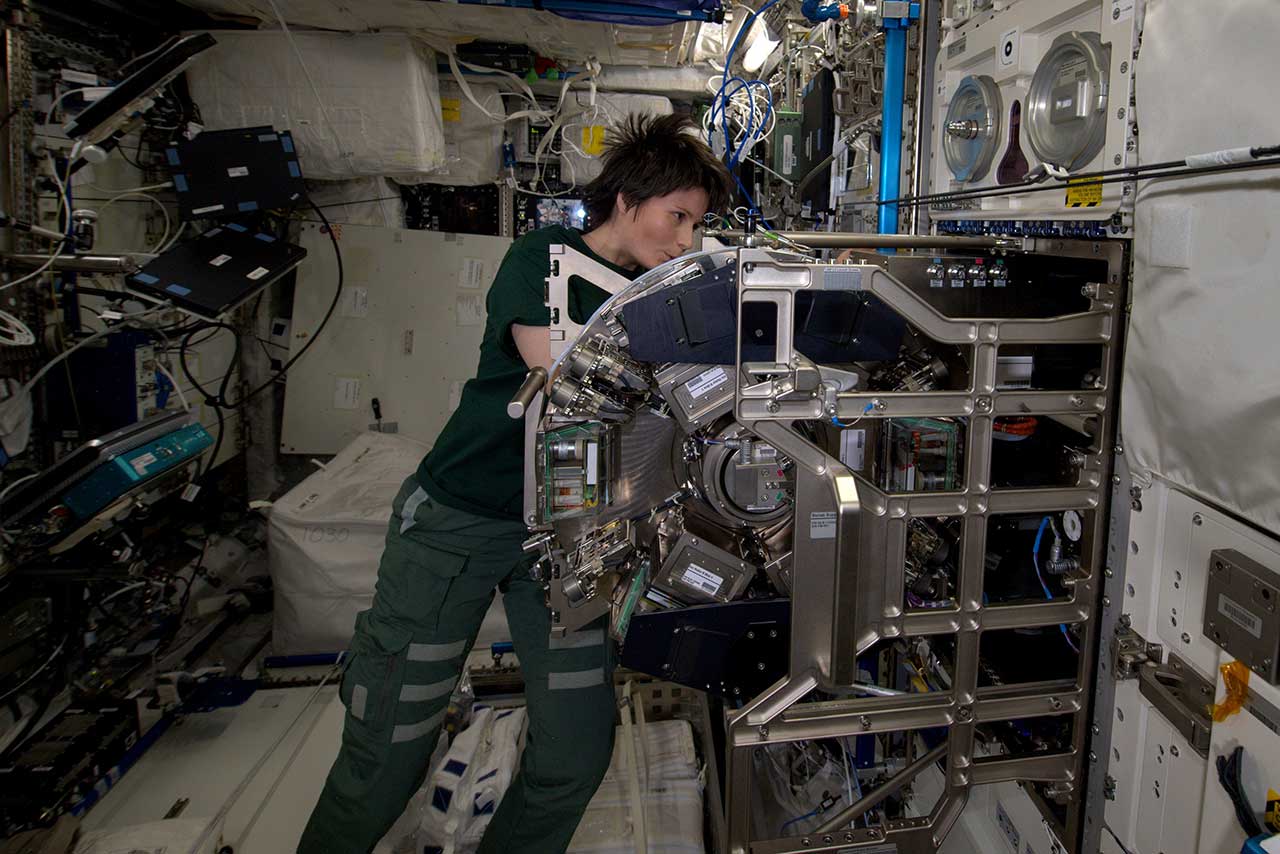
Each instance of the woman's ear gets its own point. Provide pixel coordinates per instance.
(620, 205)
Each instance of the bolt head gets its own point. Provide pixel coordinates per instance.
(1124, 66)
(1186, 638)
(1117, 160)
(1197, 519)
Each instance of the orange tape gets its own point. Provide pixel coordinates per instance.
(844, 10)
(1235, 676)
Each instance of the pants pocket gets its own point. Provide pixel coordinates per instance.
(372, 679)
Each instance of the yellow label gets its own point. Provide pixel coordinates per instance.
(451, 109)
(1083, 193)
(593, 140)
(1272, 816)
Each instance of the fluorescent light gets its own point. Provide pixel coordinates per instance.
(759, 46)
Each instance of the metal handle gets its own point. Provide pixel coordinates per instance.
(533, 383)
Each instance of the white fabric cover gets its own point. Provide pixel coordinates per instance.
(462, 794)
(1201, 400)
(353, 202)
(472, 140)
(326, 537)
(379, 93)
(580, 161)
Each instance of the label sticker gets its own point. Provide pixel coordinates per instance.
(451, 109)
(822, 525)
(1009, 48)
(1082, 193)
(141, 463)
(1121, 10)
(698, 577)
(346, 393)
(471, 274)
(593, 140)
(219, 261)
(209, 209)
(593, 463)
(469, 309)
(957, 47)
(853, 448)
(190, 493)
(355, 302)
(788, 154)
(256, 273)
(706, 382)
(237, 171)
(1240, 615)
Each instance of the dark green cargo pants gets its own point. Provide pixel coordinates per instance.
(435, 583)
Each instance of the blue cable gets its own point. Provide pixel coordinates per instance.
(1035, 561)
(837, 422)
(787, 824)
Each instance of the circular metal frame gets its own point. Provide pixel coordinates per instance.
(1066, 113)
(971, 131)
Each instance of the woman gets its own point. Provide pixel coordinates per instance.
(456, 532)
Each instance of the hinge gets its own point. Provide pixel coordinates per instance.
(1130, 650)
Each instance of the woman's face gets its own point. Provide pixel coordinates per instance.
(661, 228)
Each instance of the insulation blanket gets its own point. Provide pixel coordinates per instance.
(1201, 395)
(378, 111)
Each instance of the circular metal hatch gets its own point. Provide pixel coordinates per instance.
(971, 131)
(1067, 103)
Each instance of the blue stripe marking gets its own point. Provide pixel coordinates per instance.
(294, 170)
(455, 767)
(286, 142)
(248, 206)
(265, 238)
(487, 776)
(235, 226)
(145, 278)
(172, 155)
(180, 183)
(440, 798)
(178, 289)
(487, 809)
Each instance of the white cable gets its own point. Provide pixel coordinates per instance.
(123, 590)
(172, 381)
(167, 221)
(10, 487)
(30, 384)
(34, 674)
(161, 186)
(216, 822)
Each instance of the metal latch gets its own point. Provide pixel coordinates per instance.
(1181, 695)
(1130, 650)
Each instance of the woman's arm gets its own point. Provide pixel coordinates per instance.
(533, 344)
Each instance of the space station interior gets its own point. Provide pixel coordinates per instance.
(927, 503)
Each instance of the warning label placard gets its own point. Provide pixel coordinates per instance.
(1083, 194)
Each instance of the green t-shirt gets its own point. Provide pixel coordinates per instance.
(477, 463)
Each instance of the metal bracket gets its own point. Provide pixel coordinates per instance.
(1182, 696)
(1130, 651)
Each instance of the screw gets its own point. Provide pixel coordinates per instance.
(1115, 14)
(1120, 113)
(1106, 601)
(774, 406)
(1117, 160)
(1173, 748)
(805, 842)
(751, 635)
(773, 633)
(1055, 703)
(865, 721)
(983, 404)
(1197, 519)
(1109, 572)
(1096, 729)
(1119, 449)
(1077, 401)
(1093, 756)
(760, 666)
(964, 713)
(826, 840)
(1186, 638)
(874, 833)
(763, 730)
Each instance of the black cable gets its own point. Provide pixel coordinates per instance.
(337, 295)
(1229, 775)
(1092, 180)
(1117, 839)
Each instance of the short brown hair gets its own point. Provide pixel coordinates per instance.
(651, 156)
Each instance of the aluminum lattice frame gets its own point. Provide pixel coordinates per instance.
(851, 592)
